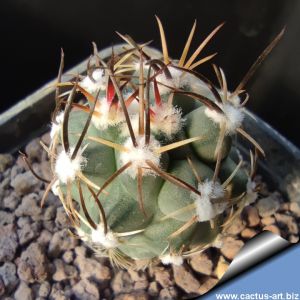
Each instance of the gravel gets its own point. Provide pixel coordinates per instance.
(33, 264)
(202, 263)
(8, 242)
(8, 275)
(268, 206)
(24, 183)
(231, 247)
(6, 160)
(185, 280)
(251, 216)
(23, 292)
(41, 260)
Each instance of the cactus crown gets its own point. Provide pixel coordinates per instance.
(144, 165)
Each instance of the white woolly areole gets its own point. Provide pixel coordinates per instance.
(205, 209)
(232, 117)
(55, 126)
(107, 240)
(66, 168)
(176, 260)
(83, 236)
(235, 100)
(251, 195)
(108, 117)
(176, 81)
(138, 156)
(91, 86)
(55, 188)
(167, 119)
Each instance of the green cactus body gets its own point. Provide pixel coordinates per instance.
(155, 175)
(198, 124)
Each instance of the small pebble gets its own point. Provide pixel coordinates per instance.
(153, 289)
(222, 267)
(231, 248)
(6, 160)
(24, 183)
(289, 222)
(236, 227)
(168, 294)
(44, 237)
(11, 201)
(6, 218)
(185, 280)
(23, 221)
(140, 295)
(44, 289)
(295, 208)
(63, 271)
(2, 287)
(49, 213)
(23, 292)
(8, 275)
(61, 241)
(268, 206)
(207, 285)
(163, 277)
(29, 206)
(248, 233)
(58, 293)
(33, 265)
(93, 270)
(139, 278)
(8, 242)
(122, 282)
(68, 256)
(250, 215)
(86, 290)
(61, 220)
(202, 263)
(293, 239)
(268, 220)
(28, 232)
(34, 150)
(272, 228)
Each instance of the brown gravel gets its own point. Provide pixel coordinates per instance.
(231, 247)
(251, 216)
(202, 263)
(41, 260)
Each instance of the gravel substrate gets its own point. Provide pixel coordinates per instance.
(40, 259)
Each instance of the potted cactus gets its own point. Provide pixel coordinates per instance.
(145, 163)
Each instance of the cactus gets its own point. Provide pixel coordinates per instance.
(145, 164)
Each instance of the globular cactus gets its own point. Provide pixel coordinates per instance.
(145, 165)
